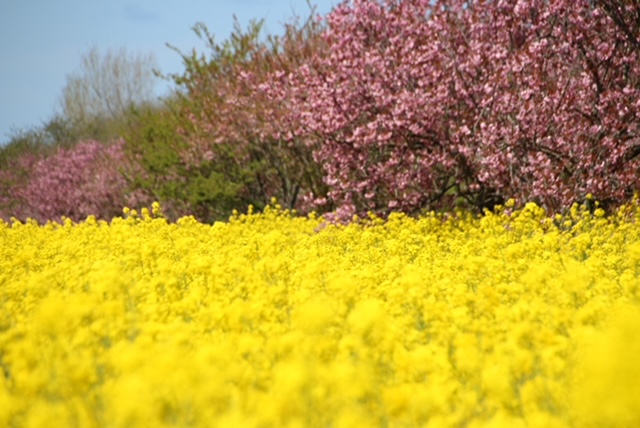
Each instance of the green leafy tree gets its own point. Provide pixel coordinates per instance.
(209, 190)
(219, 144)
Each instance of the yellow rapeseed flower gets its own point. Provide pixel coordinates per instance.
(274, 319)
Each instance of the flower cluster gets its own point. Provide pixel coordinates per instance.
(272, 319)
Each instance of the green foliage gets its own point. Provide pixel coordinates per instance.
(210, 190)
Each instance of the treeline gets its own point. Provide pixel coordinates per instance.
(380, 106)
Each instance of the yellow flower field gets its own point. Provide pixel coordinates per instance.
(275, 320)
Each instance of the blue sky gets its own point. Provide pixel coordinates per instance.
(42, 41)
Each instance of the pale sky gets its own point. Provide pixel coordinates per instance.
(42, 41)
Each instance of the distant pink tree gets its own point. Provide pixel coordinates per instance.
(418, 104)
(86, 179)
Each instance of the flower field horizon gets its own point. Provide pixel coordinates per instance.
(511, 319)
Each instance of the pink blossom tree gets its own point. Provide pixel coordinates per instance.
(417, 104)
(86, 179)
